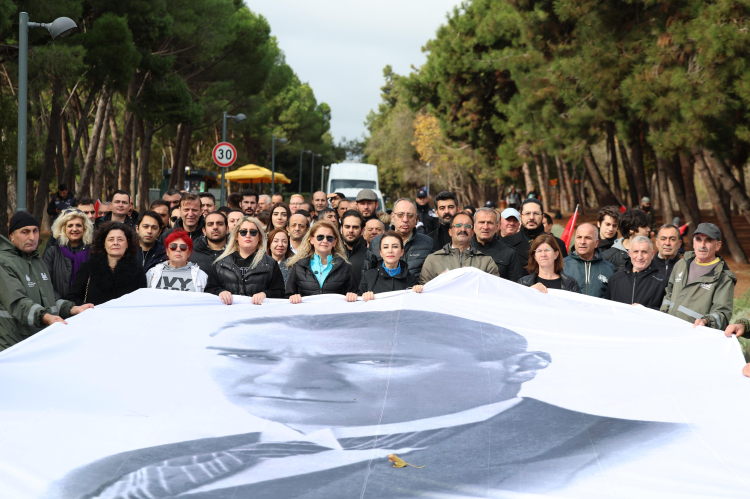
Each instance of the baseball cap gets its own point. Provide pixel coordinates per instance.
(709, 230)
(511, 212)
(422, 194)
(489, 204)
(645, 200)
(367, 195)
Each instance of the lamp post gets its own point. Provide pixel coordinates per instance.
(300, 168)
(60, 27)
(322, 171)
(273, 160)
(237, 119)
(312, 172)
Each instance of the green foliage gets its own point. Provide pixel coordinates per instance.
(110, 54)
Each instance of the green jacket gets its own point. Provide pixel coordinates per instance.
(26, 294)
(711, 297)
(449, 258)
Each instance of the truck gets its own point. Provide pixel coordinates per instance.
(350, 178)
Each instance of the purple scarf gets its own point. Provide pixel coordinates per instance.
(76, 258)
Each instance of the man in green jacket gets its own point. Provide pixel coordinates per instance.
(701, 287)
(458, 253)
(27, 300)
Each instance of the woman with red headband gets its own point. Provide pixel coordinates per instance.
(177, 273)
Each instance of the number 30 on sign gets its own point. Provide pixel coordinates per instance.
(224, 154)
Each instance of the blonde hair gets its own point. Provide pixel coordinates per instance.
(58, 228)
(234, 245)
(306, 249)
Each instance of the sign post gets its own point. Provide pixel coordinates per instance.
(224, 155)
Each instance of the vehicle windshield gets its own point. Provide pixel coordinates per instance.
(340, 183)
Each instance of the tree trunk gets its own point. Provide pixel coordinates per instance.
(724, 219)
(612, 158)
(65, 132)
(604, 195)
(570, 186)
(123, 164)
(629, 176)
(664, 201)
(115, 134)
(566, 196)
(688, 182)
(134, 157)
(545, 173)
(30, 196)
(674, 174)
(101, 156)
(184, 156)
(50, 153)
(143, 171)
(176, 156)
(636, 156)
(80, 130)
(542, 186)
(527, 178)
(88, 166)
(723, 175)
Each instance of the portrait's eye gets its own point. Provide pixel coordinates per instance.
(248, 356)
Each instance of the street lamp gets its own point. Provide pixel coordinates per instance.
(312, 172)
(273, 160)
(60, 27)
(322, 170)
(300, 167)
(237, 119)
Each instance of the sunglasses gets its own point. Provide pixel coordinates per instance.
(253, 232)
(174, 219)
(173, 246)
(330, 239)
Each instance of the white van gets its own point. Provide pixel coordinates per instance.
(350, 178)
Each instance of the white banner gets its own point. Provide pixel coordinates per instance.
(496, 389)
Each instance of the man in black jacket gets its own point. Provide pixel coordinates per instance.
(356, 249)
(531, 227)
(668, 247)
(416, 246)
(609, 220)
(150, 251)
(190, 219)
(426, 214)
(120, 207)
(632, 223)
(640, 282)
(486, 225)
(62, 200)
(446, 205)
(211, 244)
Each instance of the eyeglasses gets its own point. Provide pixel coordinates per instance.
(173, 246)
(458, 226)
(174, 219)
(410, 216)
(253, 232)
(544, 250)
(330, 239)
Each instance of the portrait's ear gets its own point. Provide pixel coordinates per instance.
(523, 367)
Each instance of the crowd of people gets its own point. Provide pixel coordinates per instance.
(262, 246)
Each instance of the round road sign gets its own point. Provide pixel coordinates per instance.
(224, 154)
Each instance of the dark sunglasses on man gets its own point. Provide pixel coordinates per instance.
(330, 239)
(173, 246)
(253, 232)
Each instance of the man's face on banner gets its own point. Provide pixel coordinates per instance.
(334, 378)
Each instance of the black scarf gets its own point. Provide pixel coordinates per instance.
(107, 279)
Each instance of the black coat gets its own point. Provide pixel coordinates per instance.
(522, 240)
(58, 203)
(426, 216)
(108, 218)
(568, 283)
(356, 257)
(646, 288)
(103, 283)
(605, 244)
(194, 234)
(379, 281)
(416, 251)
(302, 281)
(203, 255)
(440, 237)
(156, 254)
(665, 266)
(508, 264)
(264, 278)
(61, 268)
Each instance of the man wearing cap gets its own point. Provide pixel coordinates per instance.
(367, 204)
(701, 287)
(510, 222)
(27, 299)
(513, 199)
(427, 217)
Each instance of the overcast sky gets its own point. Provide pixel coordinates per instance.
(340, 47)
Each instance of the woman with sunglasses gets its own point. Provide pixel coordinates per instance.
(545, 267)
(320, 266)
(177, 273)
(244, 268)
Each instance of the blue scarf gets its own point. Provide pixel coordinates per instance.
(393, 272)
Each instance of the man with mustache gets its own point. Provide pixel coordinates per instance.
(213, 241)
(446, 206)
(668, 246)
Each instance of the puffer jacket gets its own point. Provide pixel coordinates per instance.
(416, 251)
(61, 268)
(379, 281)
(203, 255)
(264, 278)
(339, 281)
(508, 263)
(153, 276)
(645, 288)
(592, 276)
(26, 294)
(710, 297)
(451, 258)
(568, 283)
(617, 255)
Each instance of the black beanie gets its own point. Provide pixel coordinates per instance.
(20, 220)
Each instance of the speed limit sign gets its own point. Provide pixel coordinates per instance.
(224, 154)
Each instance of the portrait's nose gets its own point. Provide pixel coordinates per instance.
(294, 375)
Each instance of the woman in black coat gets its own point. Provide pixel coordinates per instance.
(244, 268)
(320, 266)
(545, 267)
(112, 269)
(392, 273)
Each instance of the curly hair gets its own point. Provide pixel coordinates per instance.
(533, 266)
(58, 228)
(100, 236)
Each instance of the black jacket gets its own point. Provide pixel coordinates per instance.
(103, 283)
(617, 255)
(665, 266)
(568, 283)
(429, 221)
(302, 281)
(203, 255)
(507, 261)
(61, 268)
(356, 257)
(227, 276)
(156, 254)
(416, 251)
(108, 218)
(58, 203)
(440, 237)
(605, 244)
(522, 240)
(379, 281)
(646, 288)
(194, 235)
